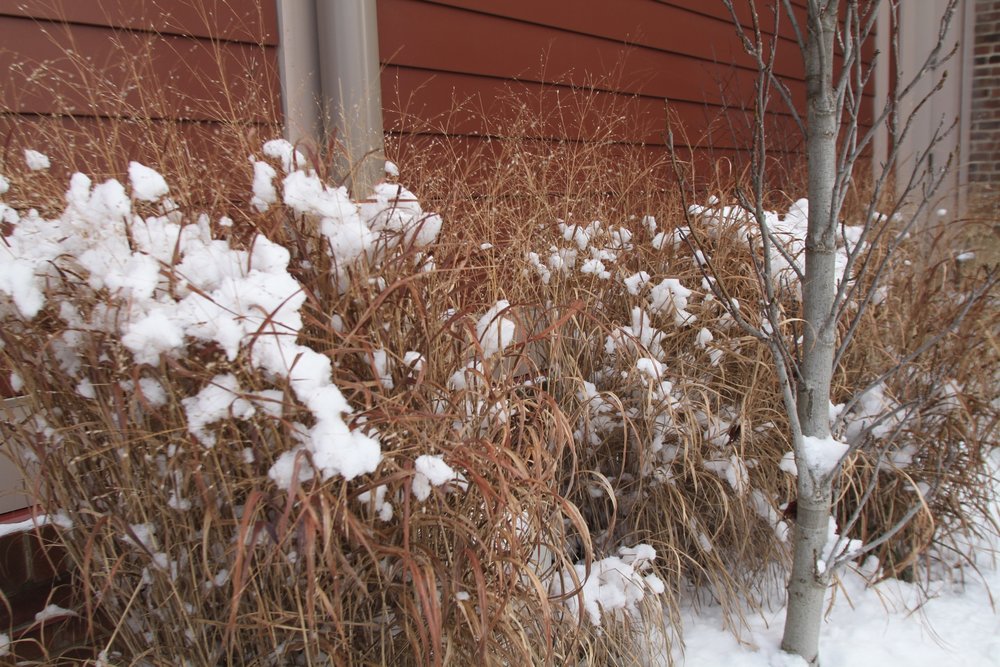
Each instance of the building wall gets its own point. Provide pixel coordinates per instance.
(97, 83)
(450, 63)
(454, 71)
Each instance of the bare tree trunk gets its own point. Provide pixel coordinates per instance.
(835, 141)
(807, 587)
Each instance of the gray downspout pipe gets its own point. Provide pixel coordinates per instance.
(298, 66)
(331, 86)
(352, 97)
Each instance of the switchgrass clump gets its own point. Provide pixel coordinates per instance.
(322, 445)
(922, 398)
(522, 429)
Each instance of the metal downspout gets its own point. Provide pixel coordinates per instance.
(330, 85)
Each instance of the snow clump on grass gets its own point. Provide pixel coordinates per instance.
(495, 332)
(433, 471)
(147, 184)
(264, 192)
(169, 284)
(36, 161)
(613, 586)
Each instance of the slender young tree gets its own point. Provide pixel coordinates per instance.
(815, 491)
(830, 42)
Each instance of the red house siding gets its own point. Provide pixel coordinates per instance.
(72, 69)
(441, 53)
(217, 58)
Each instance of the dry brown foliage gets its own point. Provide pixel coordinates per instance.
(553, 436)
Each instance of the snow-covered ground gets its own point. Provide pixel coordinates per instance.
(890, 624)
(880, 626)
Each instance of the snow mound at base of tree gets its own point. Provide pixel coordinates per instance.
(889, 623)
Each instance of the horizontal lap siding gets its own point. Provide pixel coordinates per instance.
(186, 65)
(233, 20)
(461, 67)
(193, 79)
(464, 104)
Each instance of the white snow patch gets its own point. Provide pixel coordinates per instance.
(264, 192)
(153, 391)
(616, 585)
(596, 268)
(432, 471)
(822, 455)
(670, 297)
(394, 211)
(865, 625)
(494, 332)
(733, 470)
(36, 161)
(153, 335)
(282, 150)
(788, 464)
(290, 468)
(875, 414)
(53, 611)
(414, 361)
(383, 368)
(636, 282)
(85, 388)
(218, 400)
(378, 502)
(21, 526)
(703, 338)
(147, 184)
(836, 548)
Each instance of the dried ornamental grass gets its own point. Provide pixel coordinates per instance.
(371, 435)
(222, 510)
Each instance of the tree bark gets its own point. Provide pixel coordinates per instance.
(807, 587)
